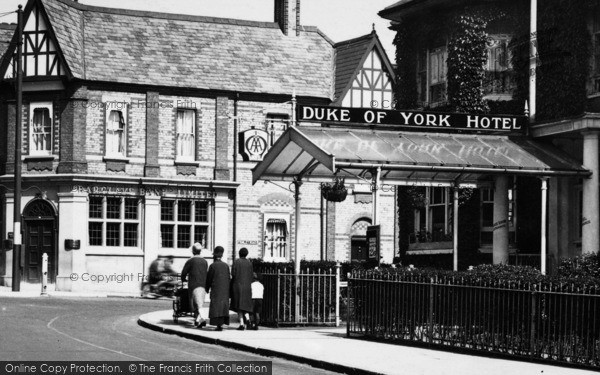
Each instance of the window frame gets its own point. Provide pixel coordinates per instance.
(442, 72)
(270, 242)
(176, 223)
(122, 221)
(193, 157)
(32, 107)
(124, 113)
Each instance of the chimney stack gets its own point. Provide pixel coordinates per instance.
(287, 15)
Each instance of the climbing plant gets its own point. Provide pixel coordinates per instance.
(466, 61)
(405, 90)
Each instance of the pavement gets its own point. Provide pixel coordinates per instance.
(331, 349)
(27, 292)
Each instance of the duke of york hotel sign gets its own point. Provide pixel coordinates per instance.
(413, 119)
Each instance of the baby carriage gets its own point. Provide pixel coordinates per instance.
(181, 303)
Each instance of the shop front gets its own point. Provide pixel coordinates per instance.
(101, 233)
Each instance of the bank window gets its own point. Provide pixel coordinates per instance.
(186, 135)
(40, 129)
(116, 132)
(276, 238)
(437, 75)
(113, 221)
(184, 222)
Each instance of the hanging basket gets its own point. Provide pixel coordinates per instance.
(335, 191)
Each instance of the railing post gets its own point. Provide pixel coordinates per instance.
(430, 333)
(337, 294)
(532, 339)
(278, 297)
(44, 274)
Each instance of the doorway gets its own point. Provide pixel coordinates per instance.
(39, 219)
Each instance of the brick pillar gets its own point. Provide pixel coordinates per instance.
(221, 141)
(73, 121)
(152, 169)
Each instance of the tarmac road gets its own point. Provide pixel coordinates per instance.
(103, 329)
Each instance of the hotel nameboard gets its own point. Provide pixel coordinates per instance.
(414, 119)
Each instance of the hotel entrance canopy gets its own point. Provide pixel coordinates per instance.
(316, 153)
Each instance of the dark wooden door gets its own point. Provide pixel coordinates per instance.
(359, 249)
(39, 239)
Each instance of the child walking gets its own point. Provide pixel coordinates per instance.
(257, 297)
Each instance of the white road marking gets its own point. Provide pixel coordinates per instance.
(49, 325)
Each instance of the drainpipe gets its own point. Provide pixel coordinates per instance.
(235, 150)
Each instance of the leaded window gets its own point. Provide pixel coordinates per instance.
(184, 222)
(114, 221)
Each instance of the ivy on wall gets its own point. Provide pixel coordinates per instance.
(563, 61)
(406, 67)
(564, 52)
(466, 61)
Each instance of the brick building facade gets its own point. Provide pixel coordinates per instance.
(131, 131)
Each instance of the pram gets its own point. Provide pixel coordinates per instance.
(181, 303)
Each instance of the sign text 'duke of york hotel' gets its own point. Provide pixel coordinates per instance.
(416, 119)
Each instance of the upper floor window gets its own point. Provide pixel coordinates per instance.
(186, 135)
(437, 86)
(498, 68)
(40, 128)
(116, 132)
(432, 75)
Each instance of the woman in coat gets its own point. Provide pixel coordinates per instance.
(217, 282)
(241, 278)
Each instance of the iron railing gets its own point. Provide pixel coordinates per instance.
(553, 322)
(318, 292)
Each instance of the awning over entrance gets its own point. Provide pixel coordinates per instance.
(313, 153)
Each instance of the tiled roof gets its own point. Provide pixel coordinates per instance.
(6, 33)
(349, 54)
(124, 46)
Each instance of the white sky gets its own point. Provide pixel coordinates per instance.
(338, 19)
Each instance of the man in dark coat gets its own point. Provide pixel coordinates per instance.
(241, 278)
(217, 283)
(196, 268)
